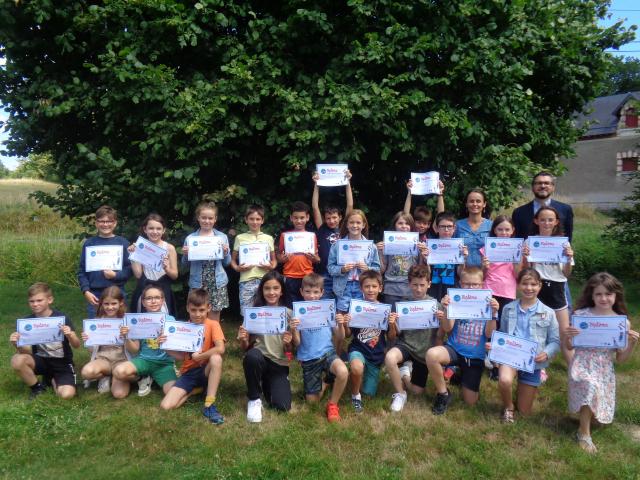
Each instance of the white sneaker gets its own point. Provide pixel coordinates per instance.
(406, 369)
(254, 411)
(104, 385)
(144, 386)
(398, 401)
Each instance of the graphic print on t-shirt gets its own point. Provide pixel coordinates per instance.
(369, 336)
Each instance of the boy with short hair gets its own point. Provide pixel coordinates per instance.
(366, 350)
(92, 283)
(317, 355)
(54, 361)
(250, 275)
(297, 265)
(465, 348)
(203, 368)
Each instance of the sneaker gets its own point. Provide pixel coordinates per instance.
(358, 406)
(333, 412)
(144, 386)
(398, 401)
(212, 413)
(441, 403)
(254, 411)
(406, 369)
(543, 375)
(508, 416)
(586, 443)
(104, 385)
(37, 391)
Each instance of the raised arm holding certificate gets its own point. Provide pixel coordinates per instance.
(108, 257)
(369, 314)
(257, 253)
(102, 331)
(315, 314)
(547, 249)
(299, 242)
(401, 243)
(425, 183)
(34, 331)
(149, 254)
(445, 251)
(600, 332)
(469, 304)
(143, 326)
(417, 315)
(205, 248)
(332, 175)
(503, 250)
(514, 352)
(182, 336)
(353, 251)
(265, 320)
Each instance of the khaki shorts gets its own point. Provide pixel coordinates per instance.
(113, 355)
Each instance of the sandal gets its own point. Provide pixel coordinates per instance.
(586, 443)
(508, 416)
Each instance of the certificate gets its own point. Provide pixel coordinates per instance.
(600, 332)
(299, 242)
(265, 320)
(401, 243)
(183, 336)
(445, 250)
(257, 253)
(143, 326)
(513, 351)
(102, 331)
(149, 254)
(417, 315)
(425, 183)
(34, 331)
(332, 175)
(316, 314)
(369, 314)
(503, 250)
(547, 249)
(353, 251)
(108, 257)
(469, 304)
(205, 248)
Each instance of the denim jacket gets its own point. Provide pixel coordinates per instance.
(195, 273)
(340, 279)
(543, 328)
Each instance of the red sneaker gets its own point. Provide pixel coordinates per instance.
(333, 412)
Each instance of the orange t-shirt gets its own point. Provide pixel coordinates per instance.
(212, 333)
(298, 265)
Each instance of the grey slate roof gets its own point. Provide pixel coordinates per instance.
(604, 114)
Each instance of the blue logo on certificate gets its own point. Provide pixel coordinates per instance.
(93, 328)
(358, 309)
(172, 329)
(391, 239)
(493, 244)
(501, 341)
(302, 311)
(536, 244)
(93, 253)
(345, 247)
(405, 311)
(253, 316)
(323, 171)
(418, 180)
(195, 243)
(28, 327)
(245, 250)
(584, 325)
(134, 321)
(141, 246)
(290, 238)
(434, 246)
(456, 298)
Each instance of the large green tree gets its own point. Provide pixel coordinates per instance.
(149, 104)
(623, 77)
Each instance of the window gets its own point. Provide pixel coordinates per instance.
(627, 162)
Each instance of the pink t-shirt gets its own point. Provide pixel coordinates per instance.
(500, 278)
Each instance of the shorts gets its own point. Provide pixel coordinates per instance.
(351, 290)
(192, 378)
(419, 373)
(112, 355)
(312, 372)
(246, 293)
(58, 369)
(532, 379)
(161, 372)
(371, 375)
(470, 368)
(552, 294)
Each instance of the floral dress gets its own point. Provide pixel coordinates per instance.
(592, 380)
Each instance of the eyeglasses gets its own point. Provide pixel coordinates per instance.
(153, 299)
(105, 222)
(446, 227)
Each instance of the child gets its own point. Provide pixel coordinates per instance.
(366, 350)
(151, 363)
(592, 381)
(345, 277)
(411, 346)
(105, 358)
(465, 348)
(422, 215)
(265, 363)
(317, 355)
(203, 368)
(153, 229)
(54, 361)
(209, 274)
(328, 229)
(530, 319)
(92, 283)
(250, 275)
(554, 275)
(297, 265)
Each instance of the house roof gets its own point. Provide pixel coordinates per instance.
(603, 114)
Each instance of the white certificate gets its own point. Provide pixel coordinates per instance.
(332, 175)
(183, 336)
(401, 243)
(469, 304)
(108, 257)
(299, 242)
(425, 183)
(353, 251)
(547, 249)
(265, 320)
(369, 314)
(257, 253)
(600, 332)
(513, 351)
(445, 250)
(503, 250)
(417, 315)
(34, 331)
(205, 248)
(149, 254)
(143, 326)
(102, 331)
(316, 314)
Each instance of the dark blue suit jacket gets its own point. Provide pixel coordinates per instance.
(523, 218)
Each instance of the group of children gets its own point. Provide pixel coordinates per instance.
(455, 347)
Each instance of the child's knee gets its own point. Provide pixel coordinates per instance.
(357, 368)
(340, 370)
(66, 392)
(167, 403)
(120, 394)
(88, 371)
(215, 360)
(18, 361)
